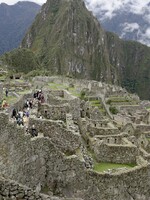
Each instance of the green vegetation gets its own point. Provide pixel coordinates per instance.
(63, 50)
(97, 103)
(10, 99)
(14, 22)
(113, 110)
(148, 108)
(82, 95)
(55, 86)
(38, 72)
(73, 91)
(20, 60)
(24, 92)
(101, 167)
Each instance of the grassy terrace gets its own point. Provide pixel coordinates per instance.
(97, 103)
(148, 108)
(101, 167)
(119, 99)
(10, 99)
(24, 92)
(55, 86)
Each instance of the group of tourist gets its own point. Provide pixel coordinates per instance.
(39, 96)
(22, 116)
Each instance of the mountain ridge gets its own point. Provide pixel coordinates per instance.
(14, 22)
(128, 20)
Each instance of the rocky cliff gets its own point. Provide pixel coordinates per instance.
(70, 41)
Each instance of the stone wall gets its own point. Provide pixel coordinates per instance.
(115, 153)
(54, 112)
(142, 128)
(102, 131)
(130, 108)
(34, 161)
(73, 102)
(110, 139)
(129, 185)
(99, 88)
(67, 141)
(98, 123)
(38, 162)
(12, 190)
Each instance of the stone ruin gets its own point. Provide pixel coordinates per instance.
(73, 134)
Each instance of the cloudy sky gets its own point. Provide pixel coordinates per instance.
(107, 5)
(110, 6)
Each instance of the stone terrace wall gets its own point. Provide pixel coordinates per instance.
(99, 88)
(98, 123)
(132, 184)
(142, 128)
(64, 139)
(54, 112)
(73, 102)
(112, 139)
(58, 93)
(38, 161)
(131, 108)
(102, 131)
(12, 190)
(74, 105)
(116, 153)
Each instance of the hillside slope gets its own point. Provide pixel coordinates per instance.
(70, 41)
(14, 22)
(129, 19)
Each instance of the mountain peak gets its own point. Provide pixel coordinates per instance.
(69, 40)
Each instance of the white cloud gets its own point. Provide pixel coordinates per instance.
(130, 27)
(11, 2)
(146, 35)
(109, 7)
(147, 18)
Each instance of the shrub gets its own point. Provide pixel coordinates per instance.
(113, 110)
(82, 94)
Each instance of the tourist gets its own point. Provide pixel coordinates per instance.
(35, 95)
(34, 131)
(27, 112)
(42, 98)
(6, 92)
(19, 121)
(4, 104)
(14, 113)
(31, 104)
(21, 113)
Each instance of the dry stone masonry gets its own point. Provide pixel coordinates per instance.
(77, 129)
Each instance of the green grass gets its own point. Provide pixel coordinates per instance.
(3, 78)
(55, 86)
(24, 92)
(10, 99)
(148, 108)
(101, 167)
(74, 92)
(97, 103)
